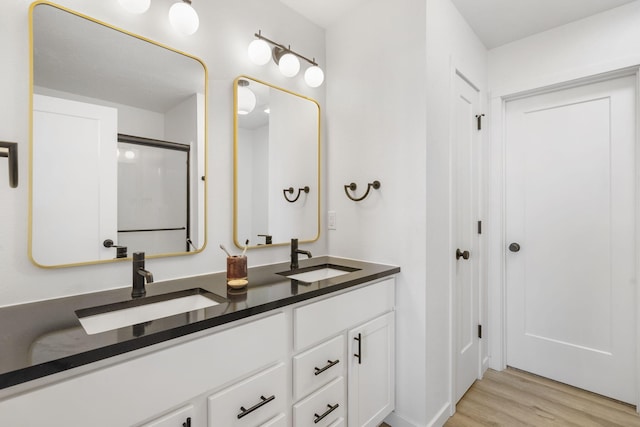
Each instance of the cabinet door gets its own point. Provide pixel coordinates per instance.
(183, 417)
(251, 402)
(371, 372)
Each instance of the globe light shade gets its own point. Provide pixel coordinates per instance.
(259, 52)
(314, 76)
(246, 100)
(289, 65)
(184, 18)
(135, 6)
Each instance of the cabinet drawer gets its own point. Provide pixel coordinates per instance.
(173, 419)
(318, 366)
(278, 421)
(323, 407)
(251, 402)
(320, 320)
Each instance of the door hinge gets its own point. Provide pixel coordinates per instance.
(479, 118)
(479, 331)
(479, 227)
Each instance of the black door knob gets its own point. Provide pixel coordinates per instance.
(462, 254)
(514, 247)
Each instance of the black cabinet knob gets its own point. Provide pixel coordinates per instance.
(462, 254)
(514, 247)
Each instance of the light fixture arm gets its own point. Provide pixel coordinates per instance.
(285, 48)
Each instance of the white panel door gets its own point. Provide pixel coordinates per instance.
(465, 146)
(570, 206)
(74, 181)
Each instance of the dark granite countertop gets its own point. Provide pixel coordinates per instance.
(44, 338)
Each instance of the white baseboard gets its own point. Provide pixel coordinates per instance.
(396, 420)
(441, 417)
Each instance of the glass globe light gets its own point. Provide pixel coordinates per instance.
(246, 100)
(259, 52)
(314, 76)
(135, 6)
(184, 18)
(289, 65)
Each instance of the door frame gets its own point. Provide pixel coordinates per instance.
(496, 235)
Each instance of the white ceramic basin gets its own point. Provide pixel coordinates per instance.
(109, 320)
(319, 274)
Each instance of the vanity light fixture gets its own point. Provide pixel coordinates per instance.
(246, 98)
(287, 60)
(183, 17)
(135, 6)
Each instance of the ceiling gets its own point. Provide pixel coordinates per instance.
(496, 22)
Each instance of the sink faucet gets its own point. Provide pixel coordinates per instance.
(140, 275)
(294, 254)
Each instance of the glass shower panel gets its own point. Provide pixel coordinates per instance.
(153, 198)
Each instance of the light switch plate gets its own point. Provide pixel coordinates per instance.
(331, 220)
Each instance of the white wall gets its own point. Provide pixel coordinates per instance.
(597, 44)
(293, 162)
(387, 79)
(601, 43)
(226, 28)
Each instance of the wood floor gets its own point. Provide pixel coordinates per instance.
(516, 398)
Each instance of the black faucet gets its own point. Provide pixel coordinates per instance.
(140, 275)
(294, 254)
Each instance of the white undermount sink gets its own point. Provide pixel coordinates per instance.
(128, 313)
(315, 273)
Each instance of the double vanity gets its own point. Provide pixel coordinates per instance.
(308, 343)
(314, 346)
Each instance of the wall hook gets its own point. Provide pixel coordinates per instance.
(353, 186)
(290, 190)
(11, 153)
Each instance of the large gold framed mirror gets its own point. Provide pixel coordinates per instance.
(276, 165)
(118, 144)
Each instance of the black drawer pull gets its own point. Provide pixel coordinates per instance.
(330, 410)
(187, 423)
(263, 401)
(330, 364)
(359, 354)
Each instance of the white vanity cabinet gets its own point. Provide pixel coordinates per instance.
(292, 367)
(335, 365)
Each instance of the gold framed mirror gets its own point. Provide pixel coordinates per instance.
(276, 165)
(118, 143)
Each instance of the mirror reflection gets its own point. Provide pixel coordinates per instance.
(277, 158)
(118, 143)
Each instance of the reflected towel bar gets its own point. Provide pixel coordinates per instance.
(12, 154)
(353, 187)
(290, 190)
